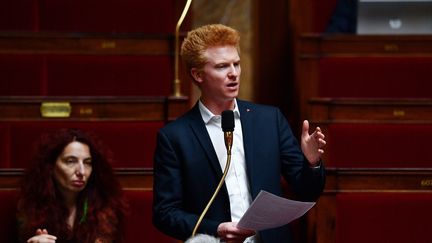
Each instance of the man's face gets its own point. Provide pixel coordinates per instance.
(219, 79)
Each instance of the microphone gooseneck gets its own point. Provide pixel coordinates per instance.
(228, 129)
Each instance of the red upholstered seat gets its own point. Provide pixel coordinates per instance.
(383, 217)
(379, 145)
(4, 146)
(18, 15)
(372, 77)
(21, 74)
(8, 223)
(108, 75)
(132, 143)
(83, 75)
(150, 16)
(139, 226)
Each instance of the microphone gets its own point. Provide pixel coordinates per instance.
(228, 129)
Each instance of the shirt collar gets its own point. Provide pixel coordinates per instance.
(207, 115)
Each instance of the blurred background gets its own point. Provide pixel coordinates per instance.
(108, 67)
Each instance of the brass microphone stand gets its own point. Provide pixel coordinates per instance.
(228, 139)
(177, 82)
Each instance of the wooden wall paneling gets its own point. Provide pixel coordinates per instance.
(408, 113)
(4, 146)
(112, 17)
(348, 123)
(323, 221)
(273, 58)
(374, 77)
(118, 75)
(339, 110)
(97, 16)
(312, 48)
(176, 107)
(85, 43)
(138, 118)
(86, 108)
(379, 180)
(10, 178)
(361, 45)
(385, 216)
(131, 142)
(305, 17)
(121, 29)
(117, 65)
(306, 76)
(129, 178)
(8, 222)
(138, 178)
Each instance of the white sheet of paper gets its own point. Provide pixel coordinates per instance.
(270, 211)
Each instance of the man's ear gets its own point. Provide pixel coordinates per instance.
(196, 75)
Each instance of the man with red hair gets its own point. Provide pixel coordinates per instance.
(191, 154)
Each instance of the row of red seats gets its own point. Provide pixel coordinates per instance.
(85, 75)
(379, 145)
(132, 143)
(361, 217)
(341, 72)
(150, 16)
(139, 227)
(383, 217)
(375, 77)
(382, 77)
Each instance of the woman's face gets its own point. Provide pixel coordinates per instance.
(73, 168)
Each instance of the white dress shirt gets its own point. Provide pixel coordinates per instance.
(236, 180)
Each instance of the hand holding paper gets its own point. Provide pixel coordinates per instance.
(270, 211)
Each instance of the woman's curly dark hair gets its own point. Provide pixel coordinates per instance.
(100, 206)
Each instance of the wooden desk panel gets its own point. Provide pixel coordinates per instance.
(326, 110)
(311, 48)
(85, 43)
(318, 45)
(137, 178)
(95, 108)
(24, 119)
(322, 219)
(38, 48)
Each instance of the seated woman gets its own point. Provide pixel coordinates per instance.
(70, 194)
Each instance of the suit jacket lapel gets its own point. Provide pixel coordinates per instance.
(200, 132)
(246, 117)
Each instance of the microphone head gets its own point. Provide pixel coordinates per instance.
(228, 121)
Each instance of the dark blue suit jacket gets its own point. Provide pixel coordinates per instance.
(187, 170)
